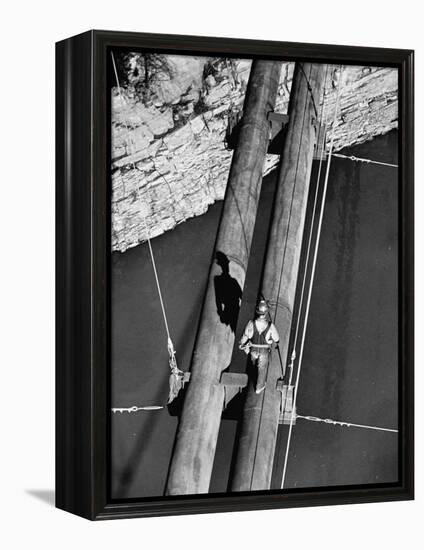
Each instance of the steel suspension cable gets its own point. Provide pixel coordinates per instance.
(143, 215)
(366, 161)
(299, 368)
(346, 424)
(293, 354)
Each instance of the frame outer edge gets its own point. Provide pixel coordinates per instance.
(74, 366)
(81, 270)
(407, 268)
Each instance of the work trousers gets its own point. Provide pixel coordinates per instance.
(260, 359)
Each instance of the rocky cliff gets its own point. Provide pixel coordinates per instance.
(169, 158)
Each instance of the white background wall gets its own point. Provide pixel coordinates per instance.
(29, 30)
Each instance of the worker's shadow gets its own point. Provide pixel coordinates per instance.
(227, 293)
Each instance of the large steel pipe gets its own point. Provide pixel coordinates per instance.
(254, 463)
(194, 452)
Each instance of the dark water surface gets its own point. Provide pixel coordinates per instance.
(350, 364)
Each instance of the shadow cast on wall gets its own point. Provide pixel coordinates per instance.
(45, 495)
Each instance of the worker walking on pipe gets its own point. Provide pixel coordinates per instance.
(258, 337)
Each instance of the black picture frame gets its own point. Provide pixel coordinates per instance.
(82, 275)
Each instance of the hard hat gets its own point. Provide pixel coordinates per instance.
(262, 307)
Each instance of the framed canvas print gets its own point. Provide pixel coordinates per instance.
(234, 274)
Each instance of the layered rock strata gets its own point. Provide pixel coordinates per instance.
(169, 156)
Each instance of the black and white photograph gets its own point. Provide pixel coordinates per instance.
(254, 268)
(211, 235)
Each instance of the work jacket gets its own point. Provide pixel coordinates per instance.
(258, 339)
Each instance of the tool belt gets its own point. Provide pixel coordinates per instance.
(261, 346)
